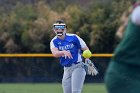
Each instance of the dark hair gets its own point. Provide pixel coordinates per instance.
(60, 21)
(133, 2)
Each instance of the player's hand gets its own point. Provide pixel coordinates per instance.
(90, 68)
(67, 54)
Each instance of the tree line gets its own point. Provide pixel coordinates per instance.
(27, 28)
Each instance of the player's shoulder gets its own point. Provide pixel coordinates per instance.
(136, 16)
(72, 35)
(54, 39)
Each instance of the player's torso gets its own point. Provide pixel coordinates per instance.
(128, 51)
(69, 44)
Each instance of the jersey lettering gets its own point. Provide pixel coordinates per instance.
(66, 47)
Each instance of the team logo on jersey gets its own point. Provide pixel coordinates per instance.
(59, 43)
(70, 41)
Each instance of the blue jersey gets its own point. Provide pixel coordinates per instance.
(72, 43)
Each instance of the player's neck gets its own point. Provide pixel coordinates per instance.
(61, 37)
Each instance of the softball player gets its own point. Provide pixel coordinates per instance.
(123, 74)
(68, 47)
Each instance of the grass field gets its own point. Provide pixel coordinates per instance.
(46, 88)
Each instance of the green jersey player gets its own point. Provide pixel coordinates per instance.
(123, 75)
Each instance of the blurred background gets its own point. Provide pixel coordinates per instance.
(26, 27)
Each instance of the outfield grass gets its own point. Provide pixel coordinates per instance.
(46, 88)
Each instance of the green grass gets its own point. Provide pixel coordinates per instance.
(46, 88)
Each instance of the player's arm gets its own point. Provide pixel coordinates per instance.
(57, 53)
(82, 43)
(85, 48)
(136, 16)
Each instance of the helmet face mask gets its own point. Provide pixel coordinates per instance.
(59, 28)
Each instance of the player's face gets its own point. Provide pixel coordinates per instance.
(59, 30)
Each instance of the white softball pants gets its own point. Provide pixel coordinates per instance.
(73, 78)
